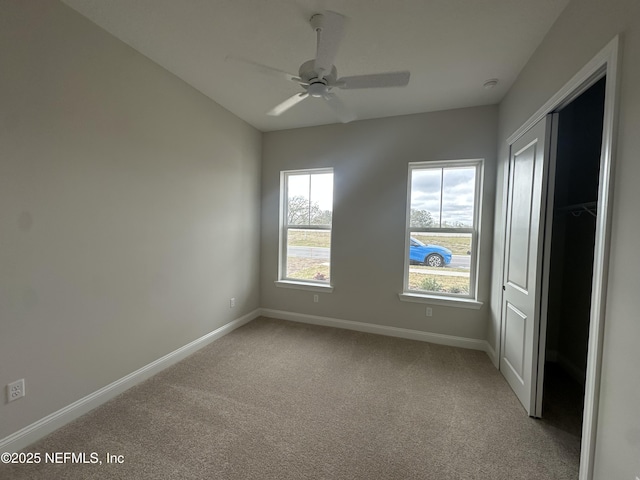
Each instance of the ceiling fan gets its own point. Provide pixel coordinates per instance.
(318, 77)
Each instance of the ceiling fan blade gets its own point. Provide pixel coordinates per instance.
(258, 67)
(376, 80)
(330, 28)
(340, 109)
(287, 104)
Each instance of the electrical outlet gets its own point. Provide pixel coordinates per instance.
(232, 302)
(315, 298)
(429, 312)
(15, 390)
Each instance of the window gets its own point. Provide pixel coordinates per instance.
(305, 226)
(442, 228)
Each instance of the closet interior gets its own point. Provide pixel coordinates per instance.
(575, 196)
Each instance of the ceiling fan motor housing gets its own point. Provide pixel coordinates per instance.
(318, 86)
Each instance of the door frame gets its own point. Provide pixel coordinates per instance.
(552, 151)
(605, 63)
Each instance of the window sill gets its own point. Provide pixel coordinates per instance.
(444, 301)
(313, 287)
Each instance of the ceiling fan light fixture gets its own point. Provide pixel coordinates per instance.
(317, 89)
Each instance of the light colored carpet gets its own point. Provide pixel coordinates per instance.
(280, 400)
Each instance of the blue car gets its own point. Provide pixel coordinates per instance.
(429, 255)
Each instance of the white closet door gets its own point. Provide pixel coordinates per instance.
(524, 234)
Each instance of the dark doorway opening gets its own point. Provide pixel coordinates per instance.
(575, 197)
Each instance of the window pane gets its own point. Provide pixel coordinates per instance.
(458, 193)
(440, 262)
(298, 199)
(309, 199)
(308, 254)
(321, 196)
(425, 197)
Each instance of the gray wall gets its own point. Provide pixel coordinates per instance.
(129, 210)
(370, 194)
(582, 30)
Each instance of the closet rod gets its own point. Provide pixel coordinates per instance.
(579, 208)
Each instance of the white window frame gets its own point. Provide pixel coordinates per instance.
(443, 298)
(283, 280)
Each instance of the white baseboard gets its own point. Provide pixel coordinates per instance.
(493, 356)
(48, 424)
(450, 340)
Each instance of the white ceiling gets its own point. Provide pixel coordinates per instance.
(451, 48)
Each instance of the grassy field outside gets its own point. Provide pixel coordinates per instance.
(309, 238)
(308, 269)
(438, 283)
(458, 245)
(318, 270)
(444, 270)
